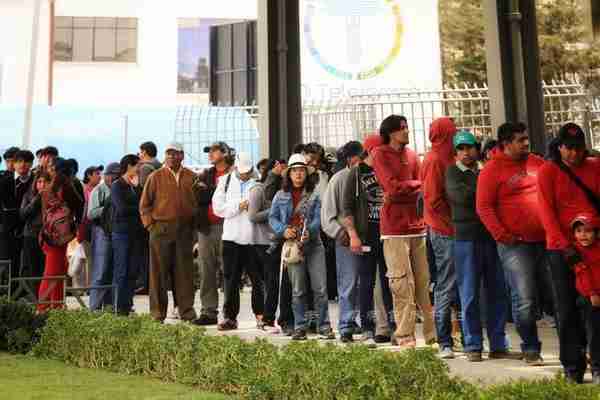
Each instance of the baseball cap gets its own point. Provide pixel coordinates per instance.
(174, 146)
(92, 169)
(571, 134)
(222, 146)
(585, 219)
(464, 138)
(243, 163)
(372, 141)
(113, 169)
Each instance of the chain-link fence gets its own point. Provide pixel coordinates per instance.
(333, 123)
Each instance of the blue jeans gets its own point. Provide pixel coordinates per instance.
(476, 261)
(445, 292)
(524, 266)
(102, 271)
(127, 259)
(313, 265)
(348, 266)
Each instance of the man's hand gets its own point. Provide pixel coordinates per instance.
(290, 233)
(355, 243)
(595, 299)
(244, 205)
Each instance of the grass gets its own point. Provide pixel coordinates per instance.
(27, 378)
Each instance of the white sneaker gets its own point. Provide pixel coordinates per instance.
(174, 314)
(446, 353)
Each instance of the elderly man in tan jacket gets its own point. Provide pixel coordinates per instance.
(167, 208)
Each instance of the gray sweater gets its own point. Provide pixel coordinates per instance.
(258, 212)
(332, 204)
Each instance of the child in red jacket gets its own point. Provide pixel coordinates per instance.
(585, 230)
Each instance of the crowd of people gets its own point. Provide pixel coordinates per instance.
(488, 233)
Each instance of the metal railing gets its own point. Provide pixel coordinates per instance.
(333, 123)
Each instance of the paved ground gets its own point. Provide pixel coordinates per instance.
(487, 372)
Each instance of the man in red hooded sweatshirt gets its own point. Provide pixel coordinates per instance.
(439, 220)
(561, 199)
(403, 231)
(507, 205)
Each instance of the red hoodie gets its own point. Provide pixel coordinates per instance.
(507, 198)
(587, 273)
(561, 200)
(398, 173)
(433, 174)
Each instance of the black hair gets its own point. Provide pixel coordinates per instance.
(298, 148)
(126, 161)
(50, 151)
(488, 146)
(149, 148)
(264, 161)
(25, 155)
(390, 124)
(315, 148)
(11, 152)
(74, 166)
(508, 130)
(309, 183)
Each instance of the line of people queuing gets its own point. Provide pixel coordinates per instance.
(493, 229)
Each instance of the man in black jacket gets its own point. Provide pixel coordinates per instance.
(210, 231)
(476, 257)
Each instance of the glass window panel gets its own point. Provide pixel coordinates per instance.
(104, 45)
(224, 88)
(63, 44)
(102, 22)
(82, 45)
(240, 87)
(224, 48)
(240, 46)
(127, 23)
(63, 22)
(126, 45)
(83, 22)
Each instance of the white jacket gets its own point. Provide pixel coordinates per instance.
(237, 227)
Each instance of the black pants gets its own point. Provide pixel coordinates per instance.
(270, 262)
(32, 262)
(374, 262)
(286, 314)
(329, 245)
(237, 259)
(570, 324)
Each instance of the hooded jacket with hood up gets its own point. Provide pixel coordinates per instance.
(507, 200)
(398, 173)
(438, 215)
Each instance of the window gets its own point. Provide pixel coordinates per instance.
(89, 39)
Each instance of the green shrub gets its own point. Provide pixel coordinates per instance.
(19, 326)
(545, 389)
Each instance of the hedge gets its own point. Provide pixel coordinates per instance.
(255, 370)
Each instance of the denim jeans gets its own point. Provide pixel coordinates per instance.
(102, 271)
(313, 265)
(476, 261)
(128, 256)
(524, 267)
(445, 292)
(348, 266)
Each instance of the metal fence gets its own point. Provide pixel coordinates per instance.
(333, 123)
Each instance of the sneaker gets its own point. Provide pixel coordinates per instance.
(533, 359)
(327, 335)
(347, 338)
(446, 353)
(260, 324)
(474, 356)
(299, 334)
(381, 339)
(228, 325)
(204, 320)
(505, 355)
(174, 314)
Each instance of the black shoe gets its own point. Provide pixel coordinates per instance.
(382, 339)
(505, 355)
(204, 320)
(574, 377)
(533, 359)
(299, 334)
(327, 335)
(287, 330)
(347, 338)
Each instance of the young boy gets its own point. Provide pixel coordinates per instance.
(585, 230)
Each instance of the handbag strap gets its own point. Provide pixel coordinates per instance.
(589, 193)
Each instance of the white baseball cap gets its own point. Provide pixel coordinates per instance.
(243, 163)
(174, 146)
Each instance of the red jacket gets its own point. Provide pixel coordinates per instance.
(561, 200)
(507, 199)
(398, 173)
(438, 215)
(587, 273)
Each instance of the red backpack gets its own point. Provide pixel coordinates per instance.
(58, 224)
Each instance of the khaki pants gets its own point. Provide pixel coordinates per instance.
(171, 246)
(408, 274)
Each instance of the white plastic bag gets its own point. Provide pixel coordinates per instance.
(76, 260)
